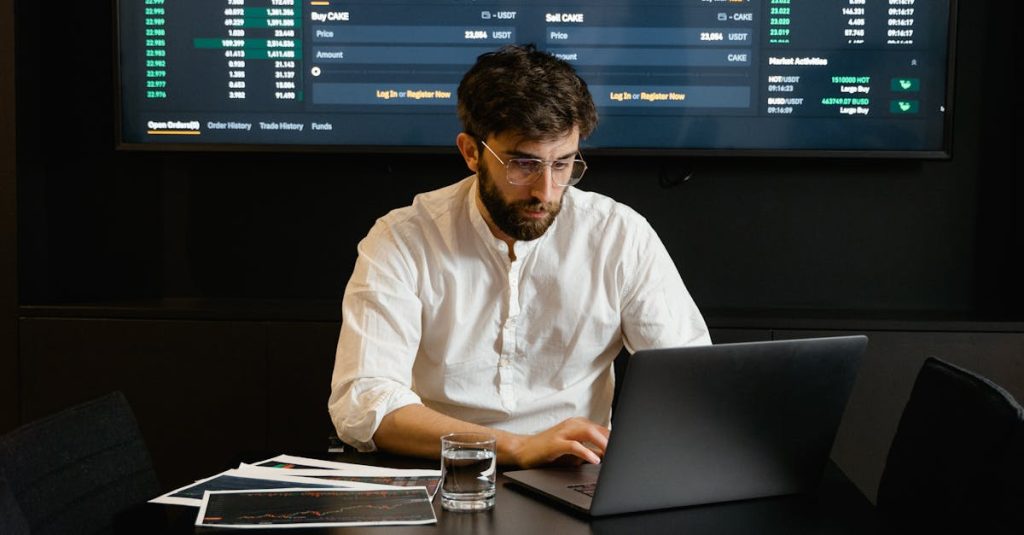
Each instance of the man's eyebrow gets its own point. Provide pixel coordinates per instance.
(520, 154)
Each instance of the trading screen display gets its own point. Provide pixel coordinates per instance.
(866, 76)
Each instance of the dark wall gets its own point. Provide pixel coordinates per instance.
(8, 222)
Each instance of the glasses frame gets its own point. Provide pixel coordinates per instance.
(546, 163)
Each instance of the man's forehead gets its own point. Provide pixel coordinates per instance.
(514, 142)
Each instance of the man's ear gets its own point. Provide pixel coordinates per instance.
(469, 150)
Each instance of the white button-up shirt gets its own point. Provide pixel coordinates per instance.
(436, 313)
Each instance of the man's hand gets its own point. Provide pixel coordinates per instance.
(574, 440)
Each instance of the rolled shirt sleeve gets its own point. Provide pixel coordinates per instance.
(380, 333)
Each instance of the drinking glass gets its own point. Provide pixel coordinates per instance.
(468, 465)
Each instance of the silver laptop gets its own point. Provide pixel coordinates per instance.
(710, 424)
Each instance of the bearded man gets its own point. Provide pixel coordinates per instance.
(497, 304)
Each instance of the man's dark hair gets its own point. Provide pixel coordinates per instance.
(527, 91)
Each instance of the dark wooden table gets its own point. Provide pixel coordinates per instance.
(837, 508)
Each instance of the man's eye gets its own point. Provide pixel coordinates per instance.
(561, 165)
(526, 165)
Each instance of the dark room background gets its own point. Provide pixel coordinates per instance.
(206, 285)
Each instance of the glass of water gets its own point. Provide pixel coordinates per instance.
(467, 471)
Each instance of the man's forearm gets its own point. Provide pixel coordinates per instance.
(417, 430)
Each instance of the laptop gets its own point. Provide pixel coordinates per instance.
(709, 424)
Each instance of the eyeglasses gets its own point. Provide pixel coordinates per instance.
(524, 171)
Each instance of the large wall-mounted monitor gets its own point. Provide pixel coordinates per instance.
(688, 77)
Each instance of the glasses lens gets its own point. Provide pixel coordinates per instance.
(570, 174)
(578, 168)
(523, 171)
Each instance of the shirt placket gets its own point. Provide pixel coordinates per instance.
(509, 340)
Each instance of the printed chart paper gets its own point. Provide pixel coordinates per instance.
(296, 508)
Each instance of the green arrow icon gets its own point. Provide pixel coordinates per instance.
(903, 106)
(905, 84)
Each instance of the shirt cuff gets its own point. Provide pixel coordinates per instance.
(357, 425)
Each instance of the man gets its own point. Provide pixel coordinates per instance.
(498, 303)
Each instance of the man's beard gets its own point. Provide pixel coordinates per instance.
(511, 217)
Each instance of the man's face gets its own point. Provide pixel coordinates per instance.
(523, 212)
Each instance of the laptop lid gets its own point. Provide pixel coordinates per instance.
(717, 423)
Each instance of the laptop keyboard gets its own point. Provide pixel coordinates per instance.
(585, 488)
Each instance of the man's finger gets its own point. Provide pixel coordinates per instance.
(589, 432)
(584, 453)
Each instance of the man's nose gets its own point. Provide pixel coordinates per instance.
(544, 187)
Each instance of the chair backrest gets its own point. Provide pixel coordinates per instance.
(953, 466)
(75, 471)
(12, 522)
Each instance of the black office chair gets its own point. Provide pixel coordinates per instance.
(12, 522)
(79, 471)
(955, 463)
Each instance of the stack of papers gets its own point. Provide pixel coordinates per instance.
(289, 491)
